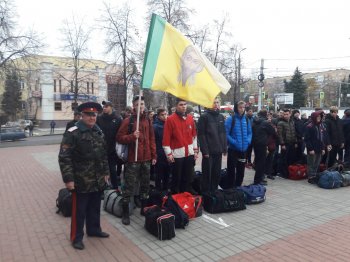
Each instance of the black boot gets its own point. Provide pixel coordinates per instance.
(143, 205)
(125, 217)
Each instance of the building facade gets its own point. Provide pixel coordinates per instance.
(52, 87)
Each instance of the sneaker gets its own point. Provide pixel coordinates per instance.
(263, 182)
(271, 177)
(311, 180)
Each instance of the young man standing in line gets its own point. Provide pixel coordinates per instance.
(180, 146)
(239, 137)
(213, 143)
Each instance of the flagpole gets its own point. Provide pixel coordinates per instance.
(138, 123)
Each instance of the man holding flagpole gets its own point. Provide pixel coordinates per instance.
(139, 162)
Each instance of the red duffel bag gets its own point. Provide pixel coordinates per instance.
(191, 204)
(297, 172)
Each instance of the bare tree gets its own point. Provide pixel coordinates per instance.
(14, 44)
(75, 42)
(174, 12)
(121, 36)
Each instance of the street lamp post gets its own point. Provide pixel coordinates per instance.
(238, 83)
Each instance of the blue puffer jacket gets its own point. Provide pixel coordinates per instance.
(240, 136)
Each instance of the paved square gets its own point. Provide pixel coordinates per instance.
(298, 222)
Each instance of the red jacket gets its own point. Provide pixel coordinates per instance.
(146, 145)
(180, 136)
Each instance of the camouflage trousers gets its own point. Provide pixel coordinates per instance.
(136, 173)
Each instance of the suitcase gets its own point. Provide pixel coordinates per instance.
(226, 200)
(112, 203)
(297, 172)
(159, 222)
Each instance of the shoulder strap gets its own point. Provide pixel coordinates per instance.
(232, 123)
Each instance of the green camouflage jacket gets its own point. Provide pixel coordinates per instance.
(83, 158)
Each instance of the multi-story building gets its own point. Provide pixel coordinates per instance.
(52, 87)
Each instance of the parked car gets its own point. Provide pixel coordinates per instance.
(12, 133)
(25, 123)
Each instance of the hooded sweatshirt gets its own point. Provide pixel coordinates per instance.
(315, 135)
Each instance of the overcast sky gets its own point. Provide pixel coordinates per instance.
(313, 35)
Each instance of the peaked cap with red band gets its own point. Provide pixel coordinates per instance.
(90, 107)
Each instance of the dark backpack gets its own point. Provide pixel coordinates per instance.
(181, 218)
(64, 202)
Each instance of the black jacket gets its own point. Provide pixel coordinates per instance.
(158, 127)
(109, 125)
(212, 133)
(262, 130)
(334, 128)
(315, 135)
(346, 129)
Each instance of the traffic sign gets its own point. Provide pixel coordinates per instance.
(261, 84)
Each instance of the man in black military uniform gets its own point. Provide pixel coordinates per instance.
(84, 168)
(109, 122)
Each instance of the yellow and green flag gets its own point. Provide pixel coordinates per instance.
(173, 64)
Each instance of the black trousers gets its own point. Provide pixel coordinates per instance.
(162, 175)
(336, 151)
(112, 164)
(287, 159)
(211, 168)
(260, 161)
(235, 168)
(182, 175)
(85, 209)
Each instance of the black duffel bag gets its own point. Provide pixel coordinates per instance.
(223, 200)
(159, 222)
(64, 202)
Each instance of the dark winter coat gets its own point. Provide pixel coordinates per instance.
(211, 133)
(346, 129)
(158, 126)
(286, 132)
(262, 130)
(334, 128)
(299, 128)
(109, 125)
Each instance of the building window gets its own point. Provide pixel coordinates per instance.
(54, 86)
(58, 106)
(92, 87)
(71, 86)
(60, 85)
(87, 87)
